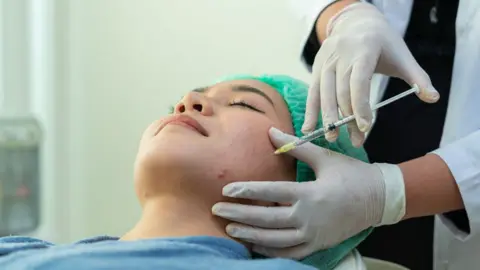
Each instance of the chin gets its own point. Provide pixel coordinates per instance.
(175, 160)
(177, 178)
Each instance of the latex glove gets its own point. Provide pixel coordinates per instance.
(359, 43)
(347, 197)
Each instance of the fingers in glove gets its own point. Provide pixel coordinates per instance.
(279, 191)
(428, 93)
(313, 105)
(360, 79)
(296, 252)
(308, 152)
(418, 76)
(411, 72)
(260, 216)
(329, 101)
(345, 104)
(283, 238)
(356, 136)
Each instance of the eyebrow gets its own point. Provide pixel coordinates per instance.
(240, 88)
(200, 90)
(250, 89)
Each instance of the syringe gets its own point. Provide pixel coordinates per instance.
(322, 131)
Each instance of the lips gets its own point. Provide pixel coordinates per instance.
(183, 120)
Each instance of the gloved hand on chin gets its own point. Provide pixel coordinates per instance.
(347, 197)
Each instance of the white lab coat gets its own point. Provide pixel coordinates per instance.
(460, 144)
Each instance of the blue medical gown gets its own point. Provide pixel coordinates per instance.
(198, 252)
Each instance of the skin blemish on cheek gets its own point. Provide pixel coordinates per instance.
(221, 175)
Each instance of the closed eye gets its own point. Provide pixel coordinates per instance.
(245, 105)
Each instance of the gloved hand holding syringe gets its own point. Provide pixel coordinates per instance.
(332, 126)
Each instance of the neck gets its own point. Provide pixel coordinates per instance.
(176, 216)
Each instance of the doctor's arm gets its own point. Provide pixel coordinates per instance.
(430, 187)
(462, 158)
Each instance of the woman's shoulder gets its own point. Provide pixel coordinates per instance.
(10, 244)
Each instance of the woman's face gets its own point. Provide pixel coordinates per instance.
(215, 136)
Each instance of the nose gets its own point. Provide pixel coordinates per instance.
(194, 102)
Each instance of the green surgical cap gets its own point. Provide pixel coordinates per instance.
(294, 92)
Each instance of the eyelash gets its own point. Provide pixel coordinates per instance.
(236, 103)
(246, 105)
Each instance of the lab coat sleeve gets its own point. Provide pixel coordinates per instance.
(307, 12)
(463, 160)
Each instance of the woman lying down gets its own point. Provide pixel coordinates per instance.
(216, 135)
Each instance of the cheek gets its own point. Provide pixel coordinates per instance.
(246, 152)
(250, 137)
(152, 128)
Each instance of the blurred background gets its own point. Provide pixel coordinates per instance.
(95, 73)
